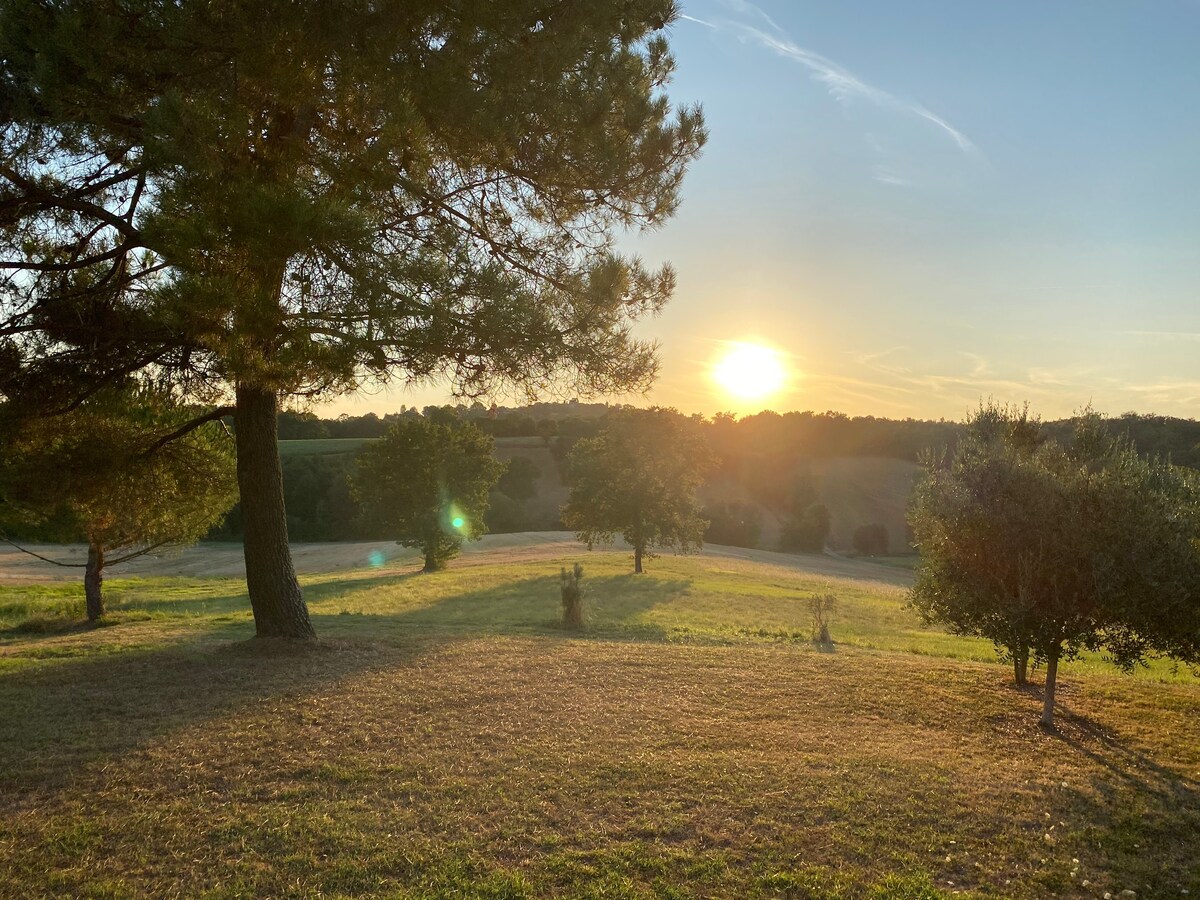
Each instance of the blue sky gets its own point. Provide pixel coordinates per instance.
(922, 204)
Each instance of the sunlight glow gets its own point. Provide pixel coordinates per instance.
(749, 371)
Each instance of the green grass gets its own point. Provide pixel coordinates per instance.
(681, 600)
(447, 739)
(321, 446)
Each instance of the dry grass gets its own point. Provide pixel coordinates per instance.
(167, 757)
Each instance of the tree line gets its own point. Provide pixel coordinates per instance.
(772, 477)
(805, 434)
(321, 506)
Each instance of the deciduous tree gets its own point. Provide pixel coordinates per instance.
(291, 198)
(427, 485)
(638, 478)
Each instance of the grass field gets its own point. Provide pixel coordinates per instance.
(447, 739)
(322, 446)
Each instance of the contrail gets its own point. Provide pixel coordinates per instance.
(842, 84)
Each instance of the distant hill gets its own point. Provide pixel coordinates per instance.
(542, 509)
(865, 491)
(856, 490)
(861, 469)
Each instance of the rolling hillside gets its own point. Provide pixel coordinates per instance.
(446, 738)
(857, 490)
(864, 490)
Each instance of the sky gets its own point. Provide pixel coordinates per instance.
(921, 205)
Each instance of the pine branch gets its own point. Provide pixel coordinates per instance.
(74, 265)
(108, 562)
(40, 194)
(135, 554)
(214, 415)
(8, 540)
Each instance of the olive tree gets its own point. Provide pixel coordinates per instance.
(1049, 549)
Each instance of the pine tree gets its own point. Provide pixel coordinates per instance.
(291, 199)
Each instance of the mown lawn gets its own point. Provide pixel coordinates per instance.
(446, 739)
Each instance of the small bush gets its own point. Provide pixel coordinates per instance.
(572, 597)
(733, 524)
(807, 532)
(871, 540)
(821, 606)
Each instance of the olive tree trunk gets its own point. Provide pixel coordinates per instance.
(1051, 684)
(93, 582)
(275, 597)
(1020, 658)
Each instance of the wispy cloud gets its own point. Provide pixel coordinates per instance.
(746, 8)
(842, 84)
(958, 381)
(979, 365)
(1188, 336)
(885, 175)
(1174, 391)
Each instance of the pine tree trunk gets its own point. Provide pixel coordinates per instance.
(1051, 684)
(637, 560)
(279, 609)
(93, 581)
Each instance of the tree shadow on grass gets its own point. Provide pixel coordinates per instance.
(119, 611)
(1136, 809)
(1120, 758)
(1108, 749)
(61, 714)
(88, 702)
(129, 603)
(238, 600)
(613, 605)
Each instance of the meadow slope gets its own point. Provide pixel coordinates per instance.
(446, 739)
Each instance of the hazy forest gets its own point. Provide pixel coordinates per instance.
(411, 483)
(771, 469)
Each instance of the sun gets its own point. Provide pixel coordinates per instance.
(749, 371)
